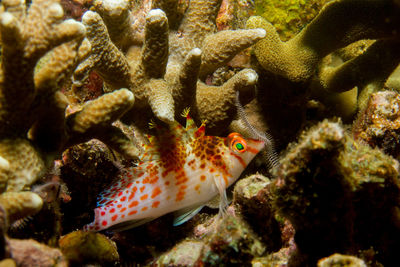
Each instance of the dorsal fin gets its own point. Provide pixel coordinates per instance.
(150, 149)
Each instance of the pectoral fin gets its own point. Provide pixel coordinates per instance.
(185, 214)
(129, 224)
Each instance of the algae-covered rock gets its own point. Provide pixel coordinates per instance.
(254, 200)
(8, 263)
(338, 260)
(340, 196)
(186, 253)
(378, 124)
(88, 247)
(32, 253)
(231, 242)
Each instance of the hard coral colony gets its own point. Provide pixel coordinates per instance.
(181, 170)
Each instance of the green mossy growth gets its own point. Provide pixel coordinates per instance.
(88, 247)
(288, 16)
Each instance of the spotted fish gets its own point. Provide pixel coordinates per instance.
(180, 171)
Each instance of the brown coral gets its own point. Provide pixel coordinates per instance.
(306, 66)
(163, 72)
(34, 129)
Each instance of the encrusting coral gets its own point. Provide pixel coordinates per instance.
(167, 71)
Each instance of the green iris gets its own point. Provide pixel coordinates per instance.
(239, 146)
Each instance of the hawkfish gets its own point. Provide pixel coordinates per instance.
(180, 170)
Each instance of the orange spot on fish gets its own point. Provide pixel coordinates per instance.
(146, 180)
(102, 213)
(133, 204)
(113, 218)
(129, 185)
(181, 181)
(133, 193)
(112, 210)
(144, 208)
(123, 216)
(123, 198)
(123, 209)
(202, 178)
(197, 188)
(180, 195)
(144, 197)
(132, 212)
(142, 188)
(155, 204)
(155, 192)
(119, 206)
(154, 180)
(166, 183)
(104, 223)
(120, 193)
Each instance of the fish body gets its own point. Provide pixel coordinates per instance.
(181, 169)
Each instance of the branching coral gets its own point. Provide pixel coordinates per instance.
(168, 72)
(299, 67)
(34, 129)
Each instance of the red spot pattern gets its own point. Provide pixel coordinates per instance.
(155, 204)
(132, 195)
(156, 192)
(133, 204)
(113, 218)
(132, 212)
(144, 197)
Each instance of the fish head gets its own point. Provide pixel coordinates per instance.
(241, 152)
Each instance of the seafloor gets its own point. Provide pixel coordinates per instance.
(83, 82)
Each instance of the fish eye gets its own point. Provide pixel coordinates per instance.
(237, 143)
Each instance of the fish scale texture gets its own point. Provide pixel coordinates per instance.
(181, 168)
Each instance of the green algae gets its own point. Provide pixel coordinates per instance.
(88, 247)
(288, 16)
